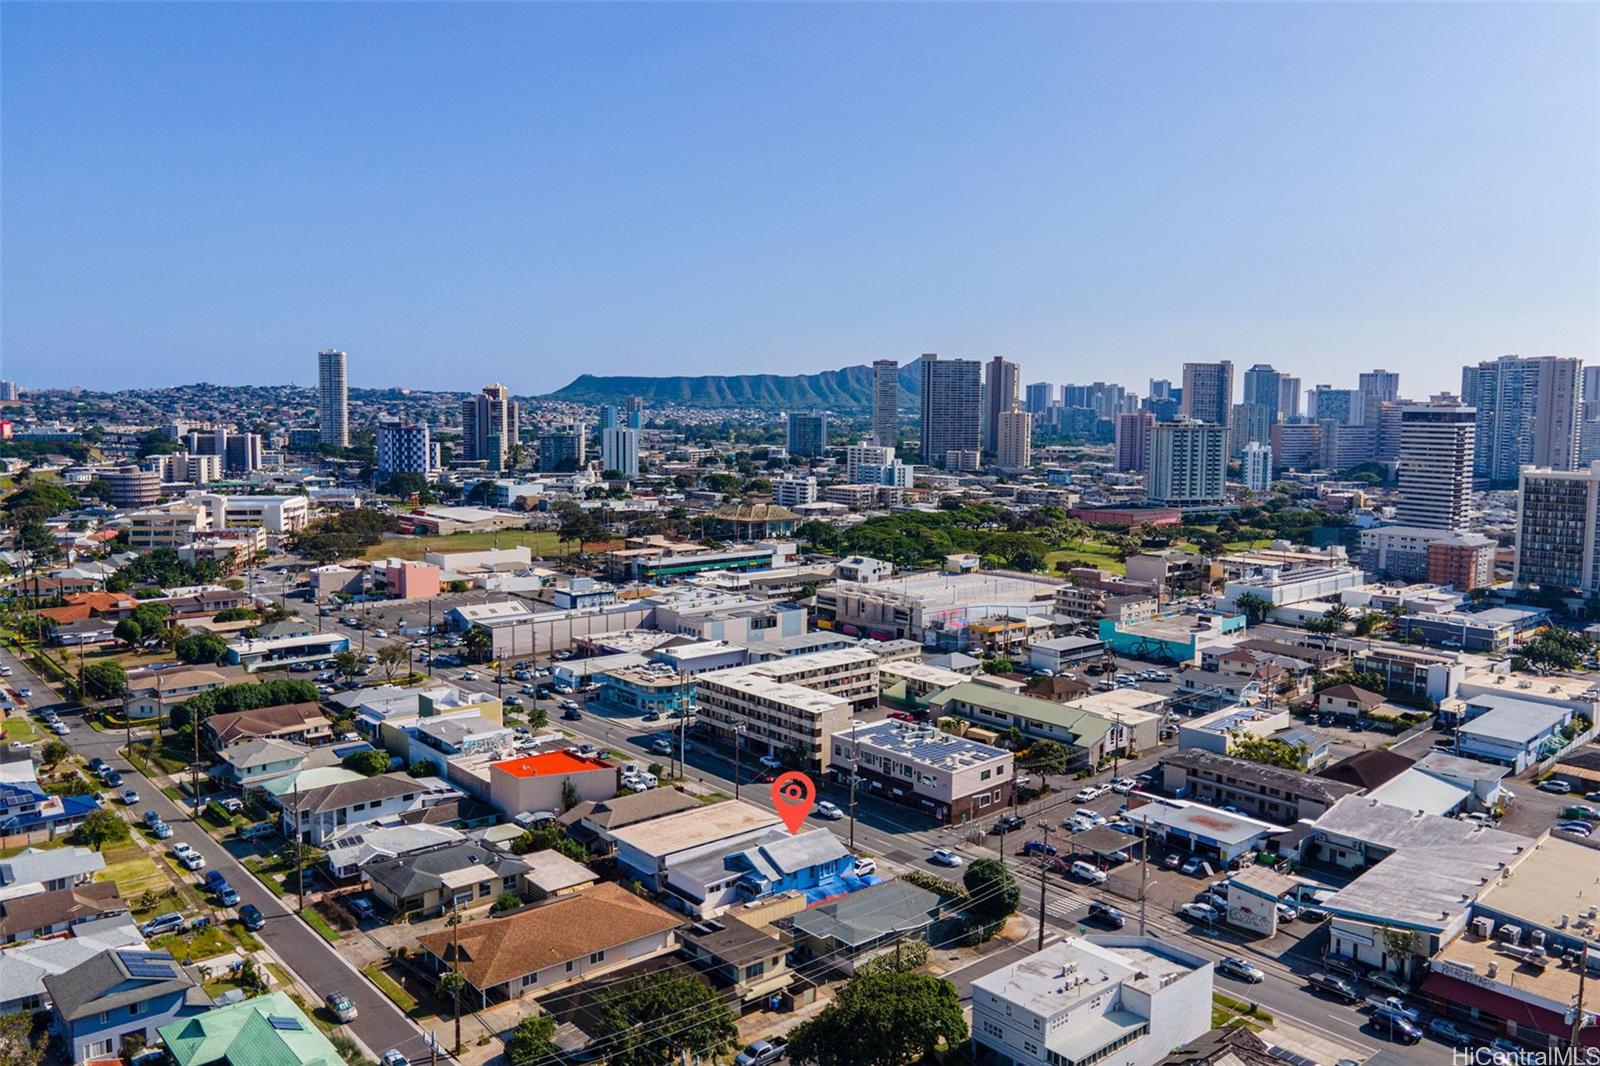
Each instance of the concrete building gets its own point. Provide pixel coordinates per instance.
(1297, 445)
(790, 705)
(1208, 393)
(275, 514)
(1002, 381)
(1133, 440)
(1527, 415)
(857, 457)
(951, 779)
(1435, 465)
(1038, 397)
(807, 434)
(130, 486)
(885, 401)
(1188, 464)
(1251, 425)
(930, 607)
(794, 492)
(1340, 406)
(171, 525)
(1257, 466)
(951, 408)
(1558, 524)
(1263, 385)
(1269, 792)
(404, 448)
(489, 426)
(1377, 387)
(563, 448)
(1463, 562)
(1121, 1000)
(619, 451)
(1013, 439)
(333, 398)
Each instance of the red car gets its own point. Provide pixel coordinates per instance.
(904, 716)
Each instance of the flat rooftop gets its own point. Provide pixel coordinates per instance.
(1037, 984)
(549, 763)
(920, 671)
(1561, 877)
(1381, 825)
(702, 825)
(938, 589)
(1128, 705)
(925, 744)
(1201, 821)
(1554, 982)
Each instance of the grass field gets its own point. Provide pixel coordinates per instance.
(18, 727)
(134, 871)
(540, 541)
(1085, 553)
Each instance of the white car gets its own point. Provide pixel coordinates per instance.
(1084, 871)
(1085, 794)
(1199, 912)
(944, 857)
(59, 729)
(829, 810)
(469, 675)
(1123, 786)
(865, 867)
(771, 762)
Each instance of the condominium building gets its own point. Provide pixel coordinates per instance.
(1527, 415)
(1133, 440)
(1297, 445)
(275, 514)
(563, 448)
(489, 426)
(772, 717)
(1288, 397)
(1344, 406)
(859, 456)
(794, 491)
(1252, 423)
(1188, 464)
(333, 398)
(1038, 397)
(1001, 382)
(1435, 465)
(1208, 392)
(1377, 387)
(131, 486)
(239, 453)
(404, 448)
(1014, 439)
(181, 468)
(1558, 523)
(807, 435)
(885, 401)
(951, 407)
(171, 525)
(619, 451)
(1262, 385)
(1257, 466)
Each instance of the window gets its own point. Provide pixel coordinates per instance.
(136, 1009)
(985, 775)
(105, 1017)
(598, 956)
(484, 888)
(570, 964)
(983, 800)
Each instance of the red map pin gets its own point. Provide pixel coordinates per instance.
(794, 794)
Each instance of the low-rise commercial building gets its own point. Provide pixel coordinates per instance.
(539, 782)
(952, 779)
(648, 850)
(1267, 792)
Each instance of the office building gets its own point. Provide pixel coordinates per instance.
(1188, 464)
(792, 492)
(610, 416)
(183, 468)
(333, 398)
(619, 451)
(489, 426)
(858, 456)
(1040, 396)
(1288, 397)
(1558, 524)
(240, 452)
(404, 448)
(1262, 385)
(1014, 439)
(1161, 389)
(1208, 392)
(951, 779)
(563, 449)
(1527, 416)
(1133, 440)
(1329, 404)
(951, 408)
(1297, 445)
(808, 434)
(1435, 464)
(886, 401)
(1377, 387)
(1257, 466)
(8, 391)
(633, 409)
(1001, 380)
(1252, 423)
(130, 486)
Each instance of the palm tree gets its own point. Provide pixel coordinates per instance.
(1253, 607)
(479, 643)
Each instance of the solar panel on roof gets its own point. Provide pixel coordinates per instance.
(281, 1021)
(147, 964)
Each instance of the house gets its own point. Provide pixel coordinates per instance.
(1086, 999)
(813, 861)
(47, 913)
(563, 941)
(646, 851)
(25, 965)
(118, 993)
(47, 869)
(26, 807)
(1368, 769)
(551, 874)
(453, 876)
(1348, 701)
(592, 823)
(300, 723)
(862, 923)
(320, 815)
(375, 844)
(1064, 653)
(269, 1030)
(249, 762)
(153, 693)
(1511, 731)
(544, 782)
(747, 964)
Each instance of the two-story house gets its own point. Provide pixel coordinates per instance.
(250, 762)
(118, 993)
(320, 815)
(813, 861)
(455, 877)
(47, 869)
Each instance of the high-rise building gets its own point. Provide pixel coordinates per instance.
(333, 398)
(240, 452)
(1160, 389)
(886, 401)
(489, 426)
(403, 448)
(1389, 430)
(1262, 385)
(1344, 406)
(1188, 464)
(951, 407)
(1435, 464)
(1040, 395)
(1133, 440)
(619, 450)
(1344, 446)
(1297, 445)
(1001, 381)
(1252, 422)
(1014, 439)
(563, 448)
(8, 391)
(1527, 416)
(1376, 387)
(610, 416)
(1257, 462)
(808, 434)
(857, 456)
(1591, 388)
(790, 491)
(634, 408)
(1288, 397)
(1208, 392)
(1558, 527)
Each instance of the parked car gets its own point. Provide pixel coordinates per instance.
(59, 728)
(215, 879)
(392, 1057)
(1386, 982)
(1192, 866)
(661, 746)
(167, 923)
(161, 830)
(1397, 1027)
(361, 907)
(25, 692)
(227, 896)
(252, 917)
(1337, 987)
(1580, 812)
(1396, 1005)
(1199, 912)
(1106, 914)
(1240, 969)
(129, 796)
(98, 765)
(1554, 787)
(1085, 871)
(1123, 786)
(866, 866)
(762, 1052)
(112, 779)
(1581, 829)
(1172, 861)
(188, 858)
(1008, 823)
(152, 816)
(1038, 847)
(944, 857)
(1447, 1030)
(340, 1007)
(1287, 913)
(829, 810)
(771, 761)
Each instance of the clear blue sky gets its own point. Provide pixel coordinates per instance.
(463, 193)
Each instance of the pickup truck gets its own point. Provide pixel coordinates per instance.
(762, 1052)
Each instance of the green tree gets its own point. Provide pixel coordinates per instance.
(1046, 757)
(197, 646)
(538, 717)
(105, 680)
(570, 797)
(421, 768)
(702, 1025)
(883, 1019)
(478, 642)
(348, 663)
(1254, 607)
(129, 632)
(994, 891)
(17, 1046)
(532, 1041)
(999, 666)
(54, 751)
(100, 828)
(367, 763)
(508, 901)
(551, 838)
(151, 617)
(391, 657)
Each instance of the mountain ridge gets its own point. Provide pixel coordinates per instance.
(846, 389)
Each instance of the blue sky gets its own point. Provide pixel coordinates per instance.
(456, 194)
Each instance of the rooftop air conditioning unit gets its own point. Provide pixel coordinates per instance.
(1510, 934)
(1483, 927)
(1493, 968)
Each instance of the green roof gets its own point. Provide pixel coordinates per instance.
(1086, 727)
(269, 1030)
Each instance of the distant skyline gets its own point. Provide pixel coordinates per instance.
(462, 194)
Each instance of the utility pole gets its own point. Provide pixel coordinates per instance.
(127, 720)
(433, 645)
(299, 846)
(1577, 1010)
(738, 749)
(1044, 866)
(194, 767)
(855, 766)
(1144, 867)
(455, 966)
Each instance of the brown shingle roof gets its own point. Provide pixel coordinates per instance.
(496, 950)
(1367, 769)
(261, 721)
(1361, 696)
(44, 909)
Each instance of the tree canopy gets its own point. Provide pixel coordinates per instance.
(242, 697)
(105, 680)
(197, 647)
(883, 1019)
(635, 1028)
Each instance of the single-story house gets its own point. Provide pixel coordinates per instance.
(844, 930)
(450, 877)
(1348, 701)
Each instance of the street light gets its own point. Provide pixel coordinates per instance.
(738, 748)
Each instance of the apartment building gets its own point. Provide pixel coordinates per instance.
(275, 514)
(1188, 464)
(772, 716)
(950, 778)
(1558, 520)
(169, 526)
